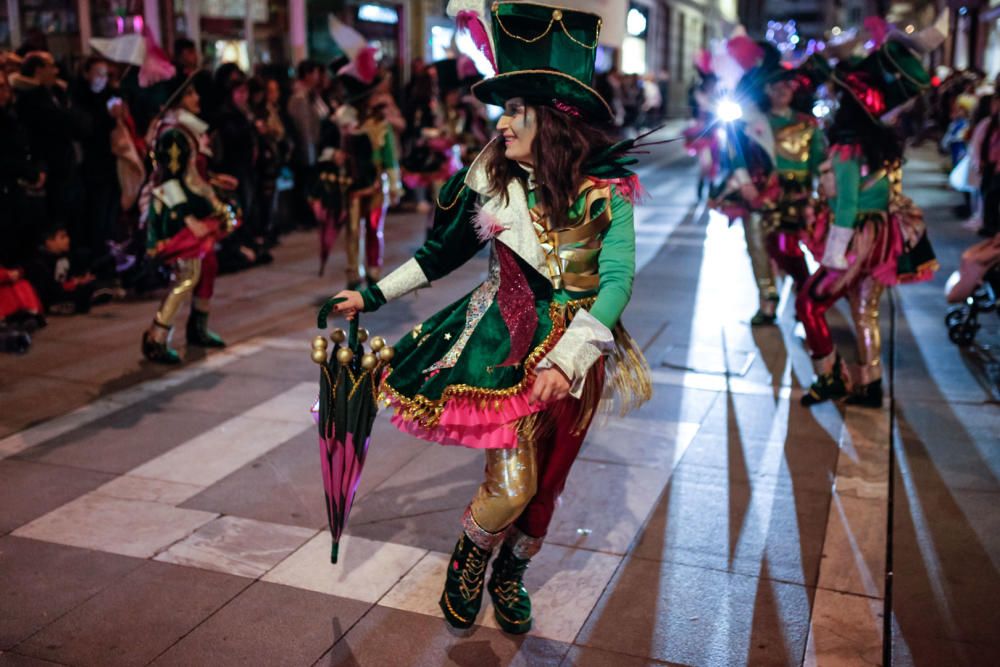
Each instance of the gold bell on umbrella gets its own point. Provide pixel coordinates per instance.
(362, 335)
(368, 361)
(386, 353)
(319, 350)
(338, 336)
(377, 343)
(345, 355)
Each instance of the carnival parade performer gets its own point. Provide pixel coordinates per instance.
(701, 138)
(517, 367)
(872, 237)
(452, 130)
(778, 226)
(184, 218)
(374, 176)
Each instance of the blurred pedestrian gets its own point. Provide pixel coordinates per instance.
(306, 109)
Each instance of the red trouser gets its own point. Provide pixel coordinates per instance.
(206, 281)
(823, 290)
(783, 247)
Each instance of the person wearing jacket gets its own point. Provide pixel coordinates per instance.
(516, 368)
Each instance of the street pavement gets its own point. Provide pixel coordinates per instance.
(176, 517)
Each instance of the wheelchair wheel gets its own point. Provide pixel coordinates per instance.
(963, 334)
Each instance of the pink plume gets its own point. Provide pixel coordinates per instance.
(487, 226)
(746, 52)
(156, 66)
(469, 20)
(877, 28)
(703, 61)
(363, 67)
(466, 68)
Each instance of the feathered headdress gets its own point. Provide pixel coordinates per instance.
(474, 17)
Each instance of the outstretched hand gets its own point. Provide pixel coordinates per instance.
(351, 305)
(551, 384)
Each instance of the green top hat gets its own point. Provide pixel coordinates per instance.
(884, 80)
(546, 55)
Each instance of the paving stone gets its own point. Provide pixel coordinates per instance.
(123, 440)
(279, 363)
(17, 660)
(216, 453)
(127, 527)
(38, 398)
(844, 630)
(267, 625)
(365, 569)
(583, 656)
(400, 638)
(136, 618)
(29, 490)
(220, 392)
(707, 519)
(431, 531)
(630, 490)
(638, 442)
(241, 547)
(39, 582)
(695, 616)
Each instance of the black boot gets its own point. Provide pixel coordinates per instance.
(867, 395)
(828, 385)
(156, 348)
(511, 603)
(198, 332)
(766, 315)
(463, 584)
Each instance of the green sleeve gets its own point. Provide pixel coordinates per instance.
(389, 158)
(817, 151)
(845, 204)
(452, 240)
(616, 264)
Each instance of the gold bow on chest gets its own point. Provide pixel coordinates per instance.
(792, 141)
(571, 253)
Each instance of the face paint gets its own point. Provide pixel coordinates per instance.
(517, 127)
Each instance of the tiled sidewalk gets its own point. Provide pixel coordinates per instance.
(180, 521)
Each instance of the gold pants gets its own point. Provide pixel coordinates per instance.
(366, 213)
(864, 297)
(187, 272)
(510, 484)
(760, 260)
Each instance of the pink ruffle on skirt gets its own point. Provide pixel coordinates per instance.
(468, 422)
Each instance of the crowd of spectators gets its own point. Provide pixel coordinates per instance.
(966, 108)
(74, 155)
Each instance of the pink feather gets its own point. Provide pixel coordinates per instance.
(487, 226)
(703, 61)
(156, 66)
(469, 20)
(878, 28)
(746, 52)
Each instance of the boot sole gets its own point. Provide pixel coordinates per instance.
(451, 618)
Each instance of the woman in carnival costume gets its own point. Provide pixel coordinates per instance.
(184, 217)
(872, 236)
(518, 366)
(374, 177)
(700, 138)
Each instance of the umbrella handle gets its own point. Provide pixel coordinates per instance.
(325, 309)
(352, 332)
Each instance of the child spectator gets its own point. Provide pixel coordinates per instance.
(51, 273)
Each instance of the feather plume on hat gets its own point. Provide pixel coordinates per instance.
(474, 17)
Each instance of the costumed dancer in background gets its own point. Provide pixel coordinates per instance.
(700, 138)
(752, 187)
(184, 218)
(449, 130)
(798, 149)
(328, 193)
(375, 178)
(872, 236)
(517, 367)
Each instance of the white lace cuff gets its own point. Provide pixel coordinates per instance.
(403, 280)
(583, 343)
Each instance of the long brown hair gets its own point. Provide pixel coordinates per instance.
(561, 147)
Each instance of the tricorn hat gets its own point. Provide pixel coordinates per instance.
(546, 55)
(883, 80)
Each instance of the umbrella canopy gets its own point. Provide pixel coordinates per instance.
(348, 403)
(139, 50)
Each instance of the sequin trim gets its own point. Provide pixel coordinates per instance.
(522, 545)
(480, 301)
(481, 537)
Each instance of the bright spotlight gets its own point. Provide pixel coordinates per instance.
(728, 110)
